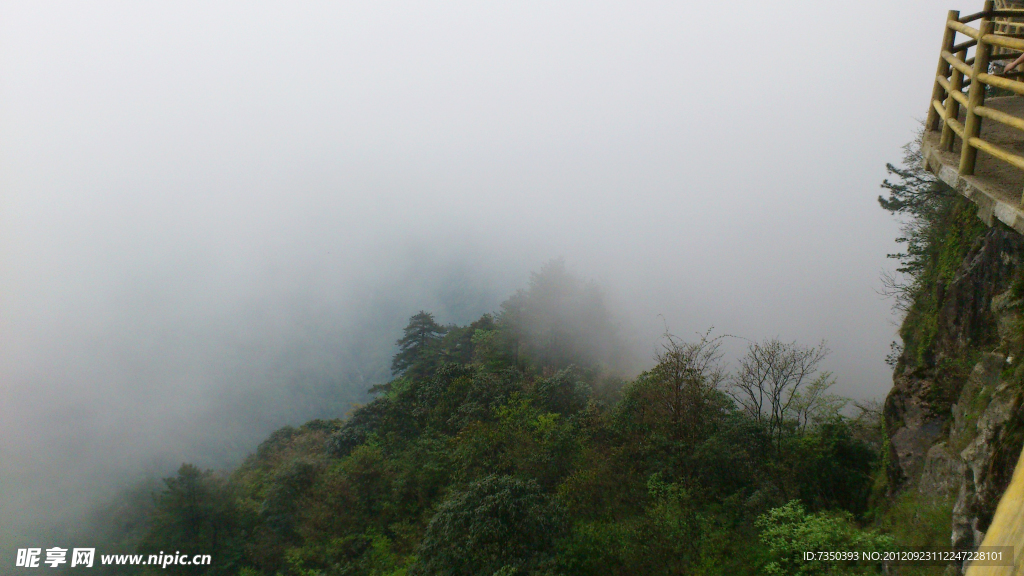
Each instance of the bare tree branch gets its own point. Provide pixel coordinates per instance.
(768, 383)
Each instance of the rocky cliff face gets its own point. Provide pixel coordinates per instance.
(954, 415)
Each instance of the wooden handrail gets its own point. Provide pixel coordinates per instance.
(961, 84)
(1004, 13)
(964, 29)
(1004, 41)
(956, 126)
(957, 95)
(973, 17)
(964, 46)
(1014, 86)
(1008, 157)
(1000, 116)
(958, 64)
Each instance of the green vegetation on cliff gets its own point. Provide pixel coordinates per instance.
(953, 418)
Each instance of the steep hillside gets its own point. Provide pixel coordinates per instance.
(954, 421)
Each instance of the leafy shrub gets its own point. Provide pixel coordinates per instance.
(497, 523)
(789, 532)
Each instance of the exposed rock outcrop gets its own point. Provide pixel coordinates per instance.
(954, 415)
(942, 471)
(981, 435)
(918, 407)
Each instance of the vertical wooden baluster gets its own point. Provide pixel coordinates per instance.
(976, 97)
(948, 37)
(956, 82)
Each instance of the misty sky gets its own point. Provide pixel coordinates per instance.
(202, 199)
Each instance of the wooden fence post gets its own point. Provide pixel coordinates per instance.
(932, 122)
(976, 97)
(956, 82)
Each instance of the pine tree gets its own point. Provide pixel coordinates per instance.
(415, 348)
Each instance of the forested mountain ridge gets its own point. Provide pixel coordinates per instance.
(509, 446)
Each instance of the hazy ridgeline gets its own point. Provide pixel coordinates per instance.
(524, 441)
(119, 382)
(134, 393)
(206, 386)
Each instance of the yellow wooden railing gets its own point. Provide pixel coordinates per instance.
(956, 72)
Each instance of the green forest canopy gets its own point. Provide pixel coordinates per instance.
(508, 446)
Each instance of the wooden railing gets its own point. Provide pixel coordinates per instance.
(956, 72)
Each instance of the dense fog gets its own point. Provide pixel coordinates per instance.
(216, 218)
